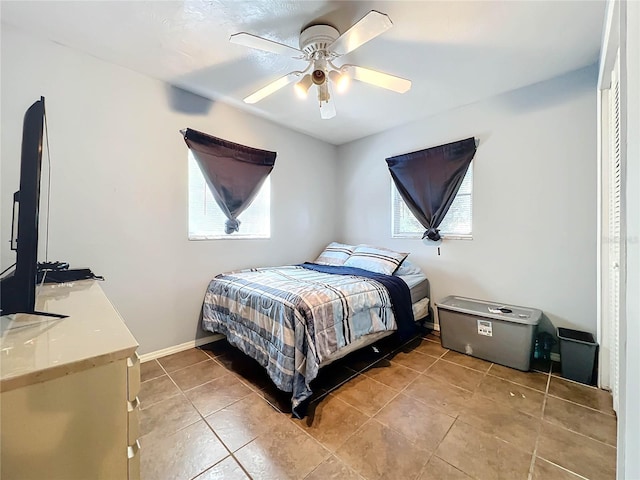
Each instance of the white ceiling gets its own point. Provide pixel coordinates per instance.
(454, 52)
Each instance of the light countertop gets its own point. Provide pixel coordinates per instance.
(37, 348)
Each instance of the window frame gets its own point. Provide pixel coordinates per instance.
(224, 236)
(444, 235)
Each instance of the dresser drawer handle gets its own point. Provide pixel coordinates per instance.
(133, 360)
(132, 405)
(132, 450)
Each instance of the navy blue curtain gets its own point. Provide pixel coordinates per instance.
(234, 173)
(428, 180)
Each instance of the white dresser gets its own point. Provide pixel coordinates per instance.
(68, 401)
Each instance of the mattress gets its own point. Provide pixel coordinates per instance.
(415, 279)
(419, 290)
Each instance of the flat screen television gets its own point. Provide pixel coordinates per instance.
(18, 288)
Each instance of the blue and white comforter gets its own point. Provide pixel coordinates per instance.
(291, 318)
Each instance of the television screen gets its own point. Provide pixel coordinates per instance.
(18, 288)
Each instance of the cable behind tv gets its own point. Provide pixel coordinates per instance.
(46, 135)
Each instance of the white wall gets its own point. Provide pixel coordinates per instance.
(119, 184)
(534, 199)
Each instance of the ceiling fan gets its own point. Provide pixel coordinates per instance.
(320, 45)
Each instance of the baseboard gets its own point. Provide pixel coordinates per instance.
(432, 326)
(180, 348)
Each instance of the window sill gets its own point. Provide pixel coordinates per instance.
(458, 237)
(197, 238)
(444, 236)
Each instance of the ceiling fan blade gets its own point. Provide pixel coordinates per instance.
(253, 41)
(379, 79)
(368, 27)
(271, 88)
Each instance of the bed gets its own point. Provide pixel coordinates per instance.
(296, 319)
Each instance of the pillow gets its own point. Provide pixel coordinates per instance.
(408, 268)
(335, 254)
(375, 259)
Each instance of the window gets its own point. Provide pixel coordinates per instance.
(457, 223)
(206, 220)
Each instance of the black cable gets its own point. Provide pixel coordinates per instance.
(46, 245)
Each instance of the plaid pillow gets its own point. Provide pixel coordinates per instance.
(375, 259)
(335, 254)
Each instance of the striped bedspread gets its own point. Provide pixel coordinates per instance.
(290, 318)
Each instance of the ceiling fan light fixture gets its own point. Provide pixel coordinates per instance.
(318, 76)
(340, 79)
(303, 86)
(319, 73)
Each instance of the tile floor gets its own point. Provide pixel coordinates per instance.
(415, 411)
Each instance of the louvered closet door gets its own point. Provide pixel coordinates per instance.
(614, 230)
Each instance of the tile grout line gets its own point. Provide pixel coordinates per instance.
(535, 447)
(435, 379)
(362, 372)
(208, 359)
(574, 403)
(398, 392)
(565, 469)
(195, 477)
(333, 455)
(485, 373)
(605, 444)
(182, 391)
(431, 455)
(488, 373)
(202, 417)
(161, 367)
(533, 454)
(456, 419)
(407, 385)
(584, 406)
(331, 452)
(238, 377)
(369, 417)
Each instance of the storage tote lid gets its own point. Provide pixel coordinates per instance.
(498, 311)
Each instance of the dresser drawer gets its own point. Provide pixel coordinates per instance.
(133, 421)
(133, 377)
(133, 454)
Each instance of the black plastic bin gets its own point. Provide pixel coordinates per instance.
(577, 354)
